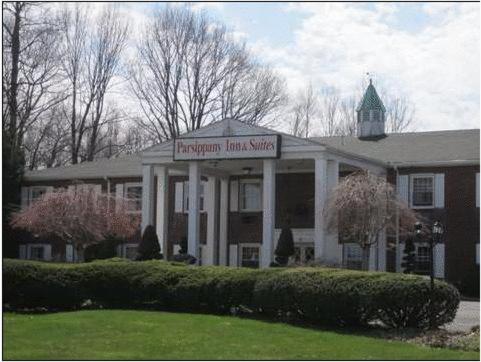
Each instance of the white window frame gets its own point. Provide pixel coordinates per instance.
(302, 252)
(29, 247)
(241, 198)
(411, 190)
(122, 249)
(185, 196)
(249, 245)
(126, 187)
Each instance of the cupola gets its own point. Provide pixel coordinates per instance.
(370, 114)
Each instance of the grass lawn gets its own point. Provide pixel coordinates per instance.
(115, 334)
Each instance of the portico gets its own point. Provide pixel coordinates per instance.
(216, 163)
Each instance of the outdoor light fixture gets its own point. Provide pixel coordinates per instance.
(418, 227)
(247, 170)
(438, 231)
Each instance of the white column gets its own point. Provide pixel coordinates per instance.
(320, 198)
(194, 203)
(147, 196)
(210, 200)
(223, 219)
(269, 211)
(162, 208)
(333, 248)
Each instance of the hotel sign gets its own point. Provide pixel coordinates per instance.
(222, 148)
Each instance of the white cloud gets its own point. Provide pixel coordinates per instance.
(436, 67)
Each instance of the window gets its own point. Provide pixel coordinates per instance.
(133, 194)
(186, 196)
(423, 260)
(37, 253)
(422, 191)
(37, 192)
(131, 252)
(352, 256)
(250, 195)
(250, 256)
(303, 254)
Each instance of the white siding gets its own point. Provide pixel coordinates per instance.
(24, 195)
(119, 194)
(439, 190)
(402, 185)
(233, 255)
(22, 252)
(439, 260)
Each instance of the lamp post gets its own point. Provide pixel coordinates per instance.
(437, 233)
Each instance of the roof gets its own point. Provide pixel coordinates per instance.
(371, 100)
(124, 166)
(403, 149)
(415, 148)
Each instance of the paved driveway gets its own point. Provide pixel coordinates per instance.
(466, 318)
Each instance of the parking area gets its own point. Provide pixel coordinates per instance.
(466, 318)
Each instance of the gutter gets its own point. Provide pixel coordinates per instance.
(398, 249)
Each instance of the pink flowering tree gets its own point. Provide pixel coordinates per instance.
(364, 205)
(80, 217)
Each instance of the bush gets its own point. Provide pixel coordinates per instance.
(316, 295)
(285, 246)
(149, 247)
(104, 249)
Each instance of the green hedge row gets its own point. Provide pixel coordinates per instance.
(319, 295)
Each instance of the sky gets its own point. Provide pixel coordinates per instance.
(426, 52)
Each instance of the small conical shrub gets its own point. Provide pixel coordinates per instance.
(285, 246)
(149, 247)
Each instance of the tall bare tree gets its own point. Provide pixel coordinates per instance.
(189, 72)
(92, 53)
(30, 68)
(304, 111)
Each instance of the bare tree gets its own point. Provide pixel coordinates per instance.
(399, 114)
(30, 68)
(91, 61)
(362, 206)
(304, 111)
(189, 72)
(330, 112)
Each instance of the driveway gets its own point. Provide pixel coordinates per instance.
(466, 318)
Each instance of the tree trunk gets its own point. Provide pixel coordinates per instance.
(12, 102)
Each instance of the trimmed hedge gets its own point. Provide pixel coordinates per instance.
(317, 295)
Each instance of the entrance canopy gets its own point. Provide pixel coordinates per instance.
(228, 148)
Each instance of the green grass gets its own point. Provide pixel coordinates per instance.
(115, 334)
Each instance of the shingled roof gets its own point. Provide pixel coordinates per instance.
(371, 100)
(415, 149)
(125, 166)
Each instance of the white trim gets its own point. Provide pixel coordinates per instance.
(234, 196)
(233, 257)
(439, 190)
(411, 189)
(47, 251)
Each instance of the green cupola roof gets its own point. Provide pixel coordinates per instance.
(370, 100)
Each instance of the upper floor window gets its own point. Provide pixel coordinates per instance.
(422, 191)
(250, 195)
(133, 194)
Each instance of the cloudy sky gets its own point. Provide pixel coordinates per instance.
(428, 52)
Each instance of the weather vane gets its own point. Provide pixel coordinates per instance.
(369, 75)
